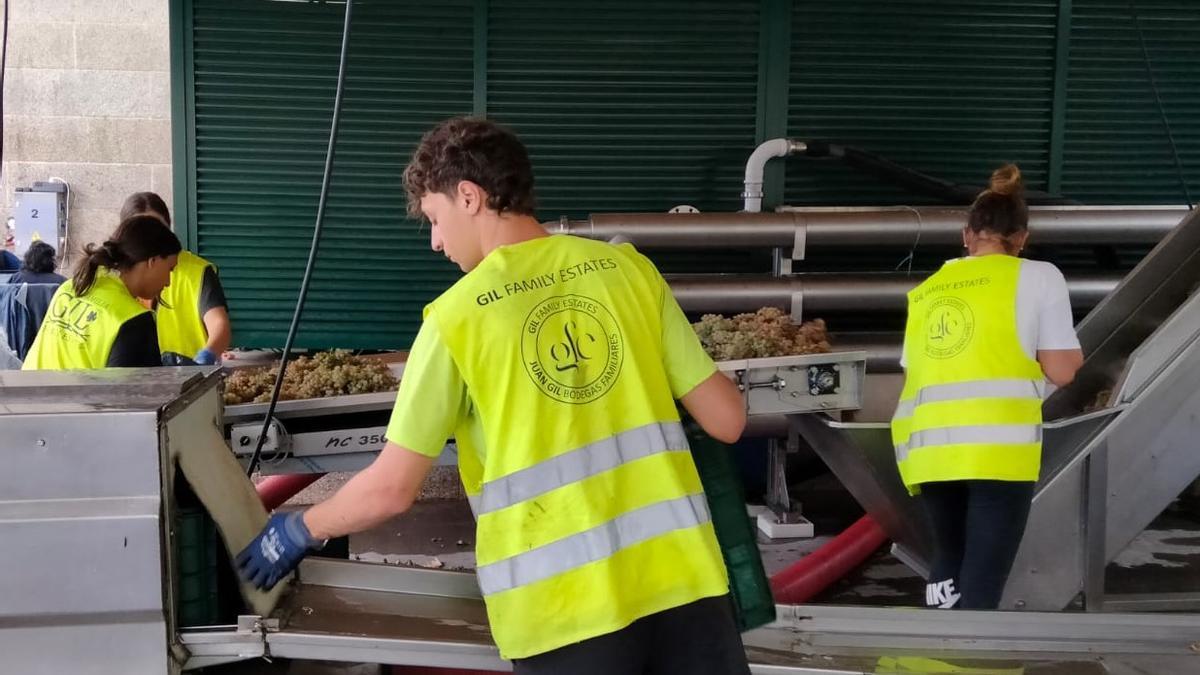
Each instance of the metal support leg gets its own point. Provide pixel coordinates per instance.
(781, 262)
(783, 518)
(778, 498)
(1095, 515)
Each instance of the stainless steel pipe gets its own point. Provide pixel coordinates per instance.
(883, 349)
(816, 227)
(825, 294)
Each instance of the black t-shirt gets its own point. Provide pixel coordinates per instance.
(211, 293)
(136, 344)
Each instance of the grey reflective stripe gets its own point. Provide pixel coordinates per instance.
(575, 465)
(473, 501)
(905, 408)
(980, 433)
(595, 544)
(959, 391)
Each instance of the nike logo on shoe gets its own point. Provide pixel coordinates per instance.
(941, 594)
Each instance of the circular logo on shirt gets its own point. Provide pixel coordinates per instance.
(572, 348)
(949, 327)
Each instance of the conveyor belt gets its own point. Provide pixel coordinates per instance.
(368, 613)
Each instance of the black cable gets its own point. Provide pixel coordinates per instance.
(912, 252)
(1137, 24)
(312, 251)
(912, 180)
(3, 68)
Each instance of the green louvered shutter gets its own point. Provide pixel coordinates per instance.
(628, 105)
(1116, 146)
(264, 75)
(949, 88)
(631, 106)
(637, 106)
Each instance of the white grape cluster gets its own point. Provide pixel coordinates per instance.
(1102, 400)
(333, 373)
(767, 332)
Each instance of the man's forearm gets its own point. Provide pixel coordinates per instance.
(356, 507)
(381, 491)
(218, 345)
(220, 332)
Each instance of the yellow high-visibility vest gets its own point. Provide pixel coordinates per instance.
(79, 330)
(922, 665)
(180, 327)
(590, 510)
(971, 407)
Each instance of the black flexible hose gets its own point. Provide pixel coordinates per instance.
(3, 68)
(912, 180)
(312, 251)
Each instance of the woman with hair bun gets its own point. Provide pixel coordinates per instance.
(95, 318)
(984, 335)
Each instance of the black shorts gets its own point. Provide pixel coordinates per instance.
(700, 638)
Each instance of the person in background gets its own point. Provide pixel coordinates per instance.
(984, 334)
(38, 266)
(9, 262)
(193, 317)
(95, 319)
(555, 362)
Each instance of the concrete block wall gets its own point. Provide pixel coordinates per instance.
(87, 99)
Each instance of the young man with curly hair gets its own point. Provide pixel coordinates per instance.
(555, 362)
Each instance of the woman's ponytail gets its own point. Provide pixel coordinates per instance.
(137, 238)
(108, 254)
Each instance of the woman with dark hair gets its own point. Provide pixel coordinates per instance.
(193, 319)
(984, 334)
(38, 266)
(95, 318)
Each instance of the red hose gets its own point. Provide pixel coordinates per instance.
(275, 490)
(816, 571)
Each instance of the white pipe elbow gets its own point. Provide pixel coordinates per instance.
(765, 152)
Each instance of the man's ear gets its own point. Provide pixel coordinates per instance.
(470, 196)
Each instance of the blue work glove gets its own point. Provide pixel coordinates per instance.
(277, 550)
(205, 358)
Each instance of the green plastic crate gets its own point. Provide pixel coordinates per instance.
(196, 555)
(735, 532)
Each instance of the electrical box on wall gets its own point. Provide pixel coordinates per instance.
(40, 212)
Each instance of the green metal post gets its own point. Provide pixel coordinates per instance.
(774, 67)
(481, 58)
(183, 124)
(1058, 122)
